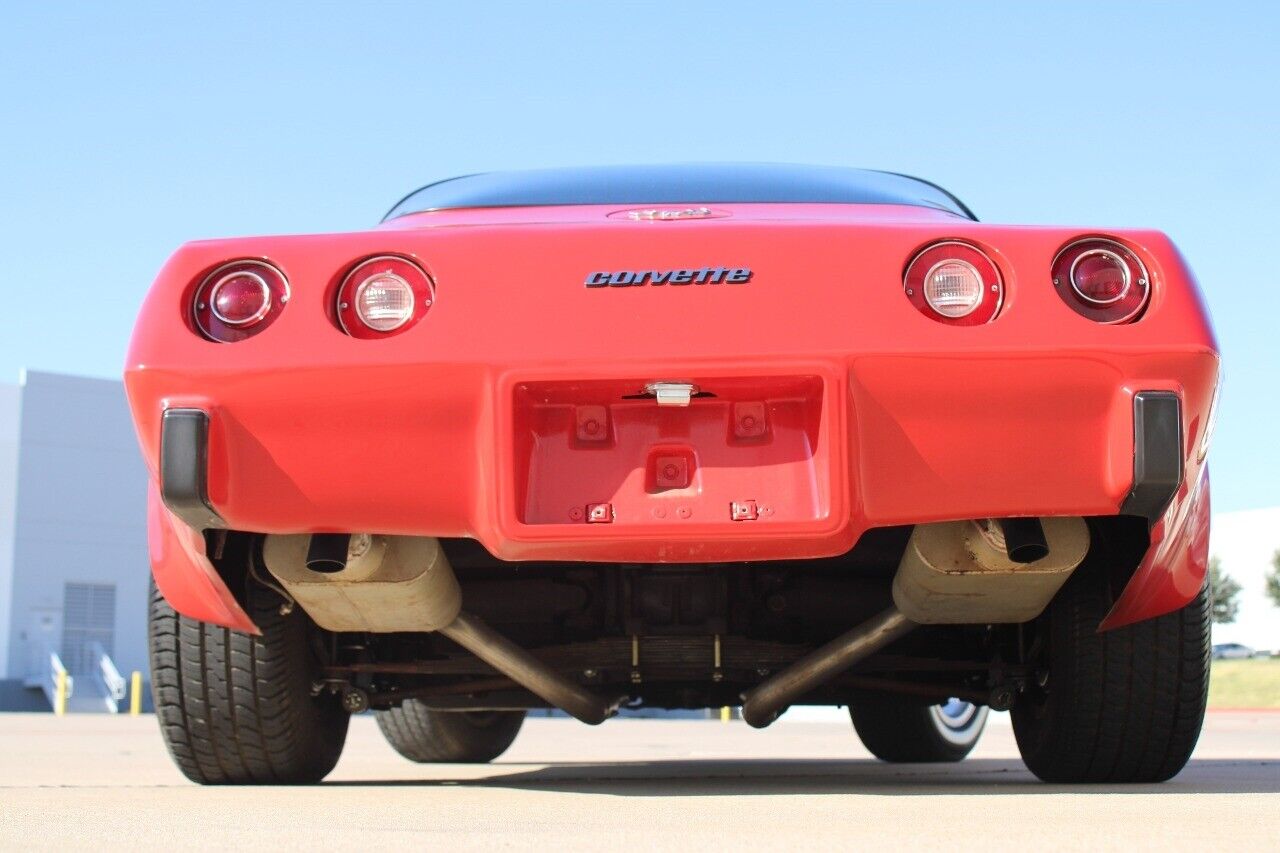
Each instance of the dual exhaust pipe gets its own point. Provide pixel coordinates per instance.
(762, 704)
(962, 572)
(526, 670)
(990, 571)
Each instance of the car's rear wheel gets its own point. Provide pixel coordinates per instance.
(425, 735)
(901, 731)
(237, 709)
(1120, 706)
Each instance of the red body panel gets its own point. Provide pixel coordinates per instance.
(183, 572)
(469, 424)
(1174, 569)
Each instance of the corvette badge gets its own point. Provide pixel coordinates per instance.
(701, 275)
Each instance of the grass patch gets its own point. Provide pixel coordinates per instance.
(1245, 683)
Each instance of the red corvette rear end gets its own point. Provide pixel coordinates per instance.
(681, 437)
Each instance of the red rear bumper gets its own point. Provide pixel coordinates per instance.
(829, 450)
(511, 459)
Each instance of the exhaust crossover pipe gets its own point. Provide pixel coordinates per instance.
(386, 584)
(961, 572)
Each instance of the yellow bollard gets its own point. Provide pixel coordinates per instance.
(725, 714)
(60, 694)
(135, 694)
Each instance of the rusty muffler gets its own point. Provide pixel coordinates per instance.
(990, 571)
(390, 584)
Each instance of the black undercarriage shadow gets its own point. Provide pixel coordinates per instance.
(745, 777)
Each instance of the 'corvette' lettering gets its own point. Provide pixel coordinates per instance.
(637, 278)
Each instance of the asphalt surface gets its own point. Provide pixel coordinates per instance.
(96, 781)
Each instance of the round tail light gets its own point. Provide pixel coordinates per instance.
(1102, 280)
(239, 299)
(954, 283)
(383, 295)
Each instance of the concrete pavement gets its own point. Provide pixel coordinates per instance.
(95, 781)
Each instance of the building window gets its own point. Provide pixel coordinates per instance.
(88, 617)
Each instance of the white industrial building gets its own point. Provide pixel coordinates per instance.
(73, 545)
(73, 542)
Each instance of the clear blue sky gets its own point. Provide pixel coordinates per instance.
(126, 130)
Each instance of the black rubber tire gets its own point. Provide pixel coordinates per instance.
(236, 709)
(458, 737)
(906, 732)
(1120, 706)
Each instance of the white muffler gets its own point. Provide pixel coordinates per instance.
(968, 572)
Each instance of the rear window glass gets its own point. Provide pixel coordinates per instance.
(681, 184)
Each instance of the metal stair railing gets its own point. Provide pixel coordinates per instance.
(114, 687)
(53, 679)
